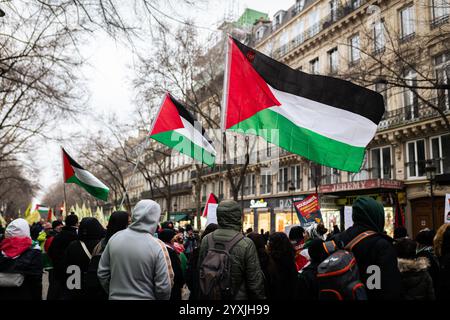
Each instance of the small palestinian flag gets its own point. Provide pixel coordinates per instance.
(176, 127)
(74, 173)
(42, 209)
(327, 120)
(212, 201)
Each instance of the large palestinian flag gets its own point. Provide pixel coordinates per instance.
(327, 120)
(74, 173)
(176, 127)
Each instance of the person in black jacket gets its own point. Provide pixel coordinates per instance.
(56, 254)
(307, 277)
(442, 250)
(20, 260)
(416, 281)
(79, 253)
(282, 272)
(192, 268)
(425, 249)
(167, 236)
(260, 243)
(377, 249)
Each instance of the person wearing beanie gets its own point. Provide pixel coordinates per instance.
(376, 249)
(307, 277)
(416, 281)
(168, 237)
(247, 277)
(425, 249)
(22, 262)
(297, 240)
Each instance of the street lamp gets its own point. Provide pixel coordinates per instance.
(291, 191)
(430, 169)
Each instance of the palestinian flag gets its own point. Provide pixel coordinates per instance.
(212, 201)
(43, 210)
(327, 120)
(176, 127)
(74, 173)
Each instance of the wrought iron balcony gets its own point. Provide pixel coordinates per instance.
(407, 115)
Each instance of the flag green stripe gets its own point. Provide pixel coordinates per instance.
(179, 142)
(99, 193)
(301, 141)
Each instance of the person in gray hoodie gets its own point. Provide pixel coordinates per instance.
(135, 265)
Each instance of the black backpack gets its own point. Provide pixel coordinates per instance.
(90, 284)
(338, 275)
(215, 270)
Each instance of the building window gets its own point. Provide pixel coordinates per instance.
(378, 36)
(440, 153)
(277, 19)
(260, 33)
(330, 175)
(266, 183)
(221, 190)
(314, 66)
(249, 185)
(283, 180)
(299, 4)
(314, 22)
(355, 53)
(333, 10)
(204, 192)
(333, 60)
(407, 27)
(415, 158)
(442, 66)
(381, 88)
(299, 30)
(363, 174)
(381, 163)
(410, 100)
(439, 11)
(296, 177)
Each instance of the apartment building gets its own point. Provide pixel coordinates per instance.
(398, 48)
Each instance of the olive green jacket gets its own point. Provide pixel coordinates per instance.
(246, 275)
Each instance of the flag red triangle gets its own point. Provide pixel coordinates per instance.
(212, 199)
(67, 167)
(248, 92)
(168, 117)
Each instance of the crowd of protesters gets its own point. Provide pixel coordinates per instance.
(135, 257)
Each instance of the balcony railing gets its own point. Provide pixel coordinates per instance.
(436, 22)
(338, 14)
(408, 115)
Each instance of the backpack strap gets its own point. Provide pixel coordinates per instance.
(228, 244)
(83, 245)
(358, 239)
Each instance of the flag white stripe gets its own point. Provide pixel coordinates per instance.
(195, 136)
(334, 123)
(88, 178)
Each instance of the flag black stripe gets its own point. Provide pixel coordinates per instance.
(331, 91)
(188, 116)
(72, 162)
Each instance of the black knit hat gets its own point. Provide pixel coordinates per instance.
(425, 237)
(166, 235)
(296, 233)
(316, 250)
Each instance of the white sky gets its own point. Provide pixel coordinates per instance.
(109, 74)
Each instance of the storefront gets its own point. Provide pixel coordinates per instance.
(389, 192)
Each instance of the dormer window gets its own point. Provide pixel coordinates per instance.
(299, 5)
(277, 19)
(260, 33)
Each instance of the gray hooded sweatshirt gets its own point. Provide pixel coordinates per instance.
(135, 265)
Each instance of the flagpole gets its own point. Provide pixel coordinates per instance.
(65, 200)
(134, 169)
(142, 151)
(225, 96)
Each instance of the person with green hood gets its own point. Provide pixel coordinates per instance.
(247, 278)
(374, 250)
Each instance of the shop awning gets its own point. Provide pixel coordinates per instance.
(176, 217)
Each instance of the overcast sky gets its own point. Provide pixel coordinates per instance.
(110, 71)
